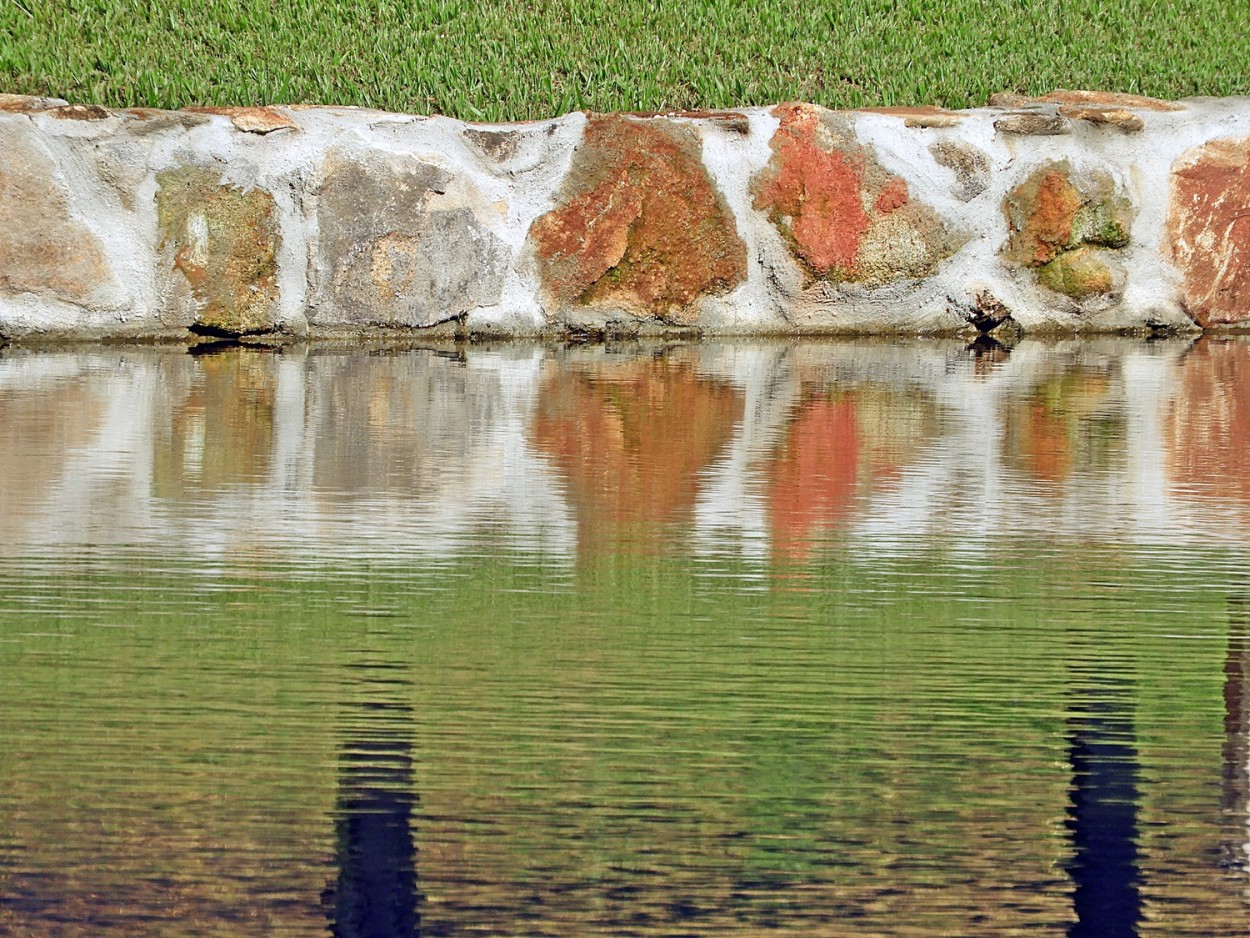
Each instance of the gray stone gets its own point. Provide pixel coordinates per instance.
(393, 252)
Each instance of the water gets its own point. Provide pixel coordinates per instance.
(809, 639)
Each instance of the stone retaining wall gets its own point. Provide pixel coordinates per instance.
(1076, 212)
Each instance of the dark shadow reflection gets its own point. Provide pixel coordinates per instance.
(375, 894)
(1235, 792)
(1102, 814)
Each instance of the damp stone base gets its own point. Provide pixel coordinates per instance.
(1074, 212)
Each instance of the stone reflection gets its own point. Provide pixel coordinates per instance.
(1102, 814)
(1208, 425)
(632, 435)
(221, 431)
(1063, 425)
(375, 894)
(1235, 798)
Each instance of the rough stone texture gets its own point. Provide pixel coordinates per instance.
(391, 256)
(639, 224)
(253, 120)
(222, 240)
(44, 248)
(1066, 228)
(18, 103)
(968, 163)
(329, 221)
(1208, 231)
(843, 215)
(1110, 99)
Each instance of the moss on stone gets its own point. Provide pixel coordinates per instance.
(1080, 274)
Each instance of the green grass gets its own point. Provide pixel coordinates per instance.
(517, 59)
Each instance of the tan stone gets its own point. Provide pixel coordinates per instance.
(1117, 117)
(1209, 231)
(44, 248)
(223, 242)
(1033, 123)
(1107, 99)
(18, 103)
(252, 120)
(969, 164)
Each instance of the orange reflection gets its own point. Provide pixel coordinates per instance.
(812, 480)
(1207, 432)
(631, 438)
(1059, 426)
(836, 449)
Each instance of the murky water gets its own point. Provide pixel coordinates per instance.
(813, 639)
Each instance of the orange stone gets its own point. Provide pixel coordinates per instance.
(1209, 231)
(640, 224)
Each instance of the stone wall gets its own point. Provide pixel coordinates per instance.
(1076, 212)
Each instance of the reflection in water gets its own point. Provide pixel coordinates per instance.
(375, 895)
(1103, 812)
(831, 689)
(631, 435)
(1235, 800)
(763, 450)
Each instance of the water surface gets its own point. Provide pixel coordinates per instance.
(728, 639)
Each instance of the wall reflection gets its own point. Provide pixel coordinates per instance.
(761, 449)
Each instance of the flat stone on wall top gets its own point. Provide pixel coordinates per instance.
(1073, 212)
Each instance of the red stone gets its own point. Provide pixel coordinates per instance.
(1209, 231)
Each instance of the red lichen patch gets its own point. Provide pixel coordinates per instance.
(1046, 206)
(252, 120)
(633, 440)
(817, 190)
(1207, 428)
(893, 196)
(1209, 231)
(640, 224)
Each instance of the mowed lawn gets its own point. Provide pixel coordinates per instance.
(516, 59)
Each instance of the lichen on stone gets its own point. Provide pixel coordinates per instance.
(845, 218)
(224, 241)
(1066, 227)
(639, 224)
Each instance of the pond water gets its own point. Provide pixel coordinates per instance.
(810, 638)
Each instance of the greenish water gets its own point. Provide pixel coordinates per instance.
(810, 639)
